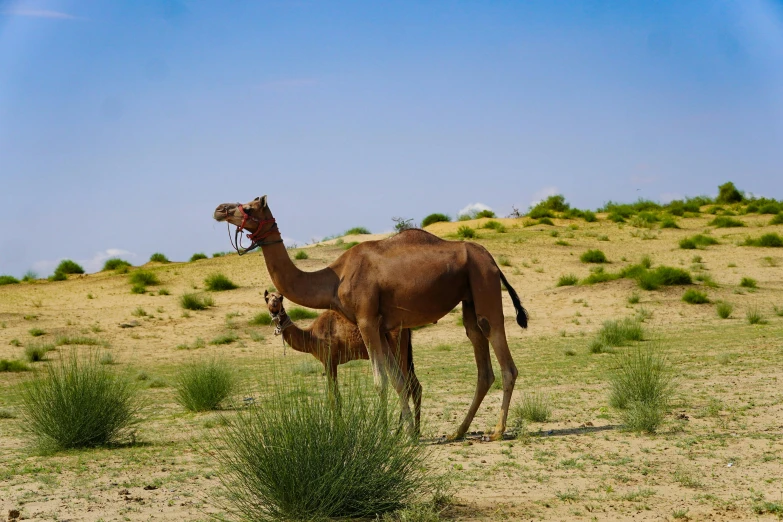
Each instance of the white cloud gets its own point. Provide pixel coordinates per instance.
(542, 194)
(39, 13)
(90, 265)
(472, 208)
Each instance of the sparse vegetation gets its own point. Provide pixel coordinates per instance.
(195, 302)
(748, 282)
(67, 266)
(297, 314)
(663, 276)
(114, 263)
(198, 256)
(434, 218)
(754, 316)
(204, 385)
(224, 338)
(593, 256)
(567, 280)
(777, 220)
(157, 257)
(37, 352)
(13, 366)
(726, 222)
(533, 407)
(697, 241)
(261, 319)
(465, 232)
(218, 283)
(355, 231)
(771, 240)
(8, 280)
(144, 278)
(77, 402)
(724, 309)
(728, 193)
(620, 332)
(693, 296)
(497, 226)
(301, 254)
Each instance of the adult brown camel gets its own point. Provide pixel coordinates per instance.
(333, 340)
(410, 279)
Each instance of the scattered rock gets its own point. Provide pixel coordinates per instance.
(13, 515)
(130, 324)
(150, 488)
(124, 492)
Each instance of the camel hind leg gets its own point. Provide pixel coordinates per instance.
(483, 364)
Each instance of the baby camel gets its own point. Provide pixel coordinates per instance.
(334, 340)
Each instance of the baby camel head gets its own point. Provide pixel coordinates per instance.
(274, 302)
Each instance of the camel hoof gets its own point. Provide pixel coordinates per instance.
(455, 436)
(497, 434)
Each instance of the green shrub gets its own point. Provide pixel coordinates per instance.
(593, 256)
(534, 407)
(197, 256)
(261, 319)
(8, 280)
(497, 226)
(218, 283)
(434, 218)
(157, 257)
(203, 385)
(144, 278)
(726, 222)
(620, 332)
(546, 221)
(748, 282)
(13, 366)
(349, 245)
(589, 216)
(777, 220)
(57, 276)
(567, 280)
(225, 338)
(484, 214)
(67, 266)
(77, 402)
(599, 276)
(646, 261)
(771, 240)
(663, 276)
(642, 385)
(693, 296)
(36, 332)
(301, 254)
(724, 309)
(542, 213)
(195, 302)
(138, 289)
(728, 193)
(669, 223)
(770, 208)
(465, 232)
(697, 241)
(78, 340)
(754, 316)
(356, 231)
(37, 352)
(29, 276)
(114, 263)
(354, 464)
(297, 314)
(634, 298)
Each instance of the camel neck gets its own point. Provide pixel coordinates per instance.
(311, 289)
(298, 339)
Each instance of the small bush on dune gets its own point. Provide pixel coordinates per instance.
(349, 245)
(297, 314)
(748, 282)
(726, 222)
(8, 280)
(434, 218)
(620, 332)
(157, 257)
(669, 223)
(355, 231)
(728, 193)
(484, 214)
(663, 276)
(546, 221)
(642, 385)
(771, 240)
(195, 302)
(271, 475)
(76, 402)
(777, 220)
(261, 319)
(225, 338)
(204, 385)
(465, 232)
(697, 241)
(144, 278)
(37, 352)
(29, 276)
(599, 276)
(540, 213)
(724, 309)
(590, 216)
(693, 296)
(114, 263)
(567, 280)
(754, 316)
(593, 256)
(67, 266)
(197, 256)
(13, 366)
(534, 407)
(218, 283)
(301, 255)
(497, 226)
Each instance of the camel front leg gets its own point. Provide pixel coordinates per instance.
(372, 340)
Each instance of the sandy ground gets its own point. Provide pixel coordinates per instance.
(718, 457)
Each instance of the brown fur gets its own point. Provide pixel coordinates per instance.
(333, 340)
(411, 279)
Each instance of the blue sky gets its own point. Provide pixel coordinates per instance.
(123, 124)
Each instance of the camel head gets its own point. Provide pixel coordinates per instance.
(247, 215)
(274, 302)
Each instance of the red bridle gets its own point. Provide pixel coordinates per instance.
(256, 237)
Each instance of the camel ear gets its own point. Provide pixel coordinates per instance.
(266, 295)
(263, 201)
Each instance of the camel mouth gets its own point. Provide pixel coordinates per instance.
(224, 211)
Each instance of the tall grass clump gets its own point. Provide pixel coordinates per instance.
(669, 222)
(13, 365)
(620, 332)
(748, 282)
(219, 282)
(37, 352)
(356, 231)
(593, 256)
(663, 276)
(77, 402)
(296, 457)
(697, 241)
(465, 232)
(754, 316)
(67, 266)
(777, 220)
(144, 278)
(29, 276)
(642, 386)
(435, 218)
(693, 296)
(297, 314)
(8, 280)
(261, 319)
(114, 263)
(726, 222)
(195, 302)
(157, 257)
(301, 254)
(771, 240)
(534, 407)
(724, 309)
(567, 280)
(203, 385)
(198, 256)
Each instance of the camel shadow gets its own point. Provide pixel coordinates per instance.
(480, 436)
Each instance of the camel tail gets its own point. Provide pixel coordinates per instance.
(521, 312)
